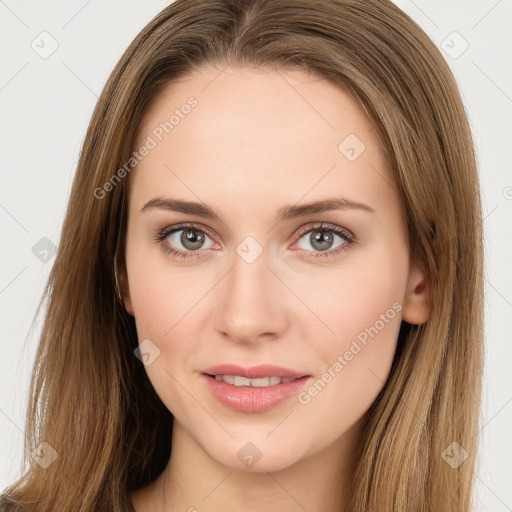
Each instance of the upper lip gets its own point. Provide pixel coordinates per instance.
(254, 372)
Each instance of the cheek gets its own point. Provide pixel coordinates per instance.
(169, 308)
(150, 304)
(166, 308)
(353, 296)
(361, 303)
(162, 297)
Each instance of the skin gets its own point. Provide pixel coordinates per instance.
(258, 141)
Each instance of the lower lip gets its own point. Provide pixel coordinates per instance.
(253, 399)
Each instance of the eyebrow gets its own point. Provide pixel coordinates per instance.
(284, 213)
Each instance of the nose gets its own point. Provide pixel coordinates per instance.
(251, 302)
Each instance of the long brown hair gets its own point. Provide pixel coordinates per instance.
(90, 398)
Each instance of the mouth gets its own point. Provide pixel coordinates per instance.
(262, 382)
(253, 373)
(254, 389)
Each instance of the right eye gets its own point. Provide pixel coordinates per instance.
(183, 240)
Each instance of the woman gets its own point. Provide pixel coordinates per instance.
(268, 291)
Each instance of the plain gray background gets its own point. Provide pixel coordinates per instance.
(46, 102)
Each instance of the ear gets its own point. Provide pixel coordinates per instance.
(125, 290)
(416, 308)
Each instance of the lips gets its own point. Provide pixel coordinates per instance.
(249, 398)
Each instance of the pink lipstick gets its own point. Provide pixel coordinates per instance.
(254, 389)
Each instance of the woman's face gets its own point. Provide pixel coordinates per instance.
(254, 280)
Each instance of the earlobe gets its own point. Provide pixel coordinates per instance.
(416, 308)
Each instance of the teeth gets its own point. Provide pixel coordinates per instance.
(241, 381)
(262, 382)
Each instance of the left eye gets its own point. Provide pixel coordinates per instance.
(322, 239)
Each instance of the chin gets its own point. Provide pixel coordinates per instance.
(258, 456)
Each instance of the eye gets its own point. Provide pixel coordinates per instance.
(322, 238)
(183, 240)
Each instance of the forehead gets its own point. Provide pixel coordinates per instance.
(253, 130)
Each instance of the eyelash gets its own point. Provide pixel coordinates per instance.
(162, 234)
